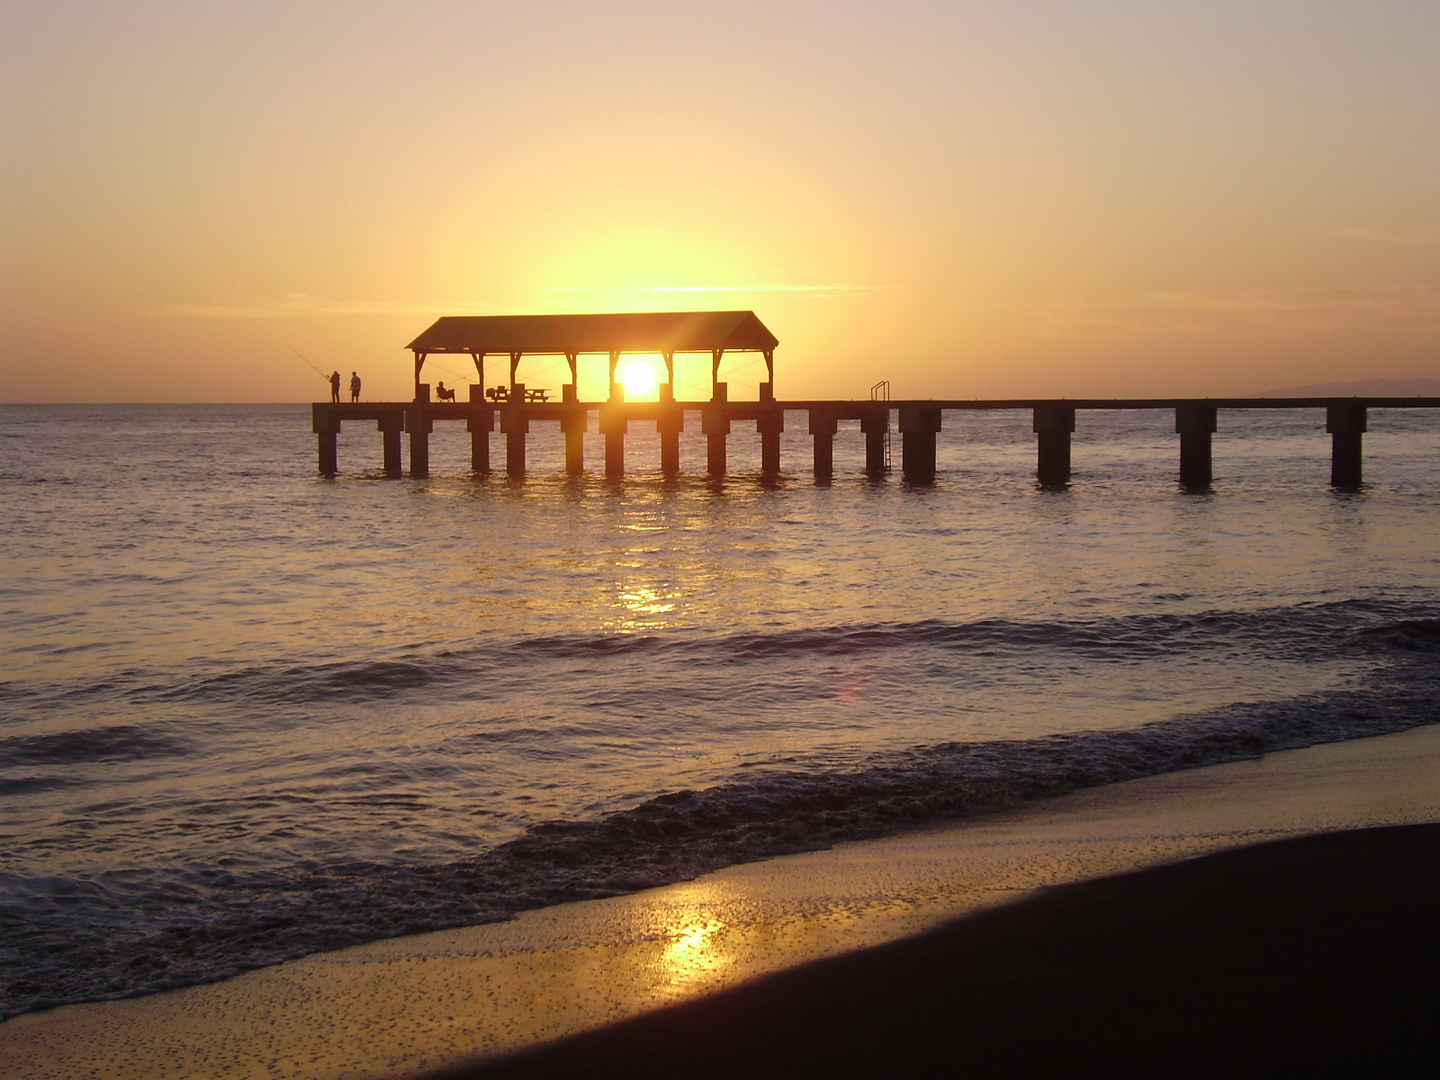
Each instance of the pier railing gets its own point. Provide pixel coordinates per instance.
(918, 421)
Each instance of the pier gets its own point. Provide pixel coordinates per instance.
(514, 407)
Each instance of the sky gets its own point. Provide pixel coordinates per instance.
(966, 199)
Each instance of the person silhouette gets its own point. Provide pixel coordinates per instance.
(354, 386)
(335, 387)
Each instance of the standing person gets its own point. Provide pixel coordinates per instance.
(335, 387)
(354, 387)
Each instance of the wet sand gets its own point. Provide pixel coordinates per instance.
(1312, 956)
(412, 1005)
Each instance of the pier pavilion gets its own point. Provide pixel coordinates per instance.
(719, 332)
(667, 333)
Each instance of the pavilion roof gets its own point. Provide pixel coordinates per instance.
(642, 331)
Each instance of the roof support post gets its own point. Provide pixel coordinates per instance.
(419, 363)
(573, 359)
(715, 356)
(479, 358)
(670, 372)
(770, 370)
(514, 366)
(614, 361)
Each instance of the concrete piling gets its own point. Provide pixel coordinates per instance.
(326, 426)
(515, 424)
(715, 425)
(875, 425)
(418, 425)
(918, 427)
(1347, 425)
(479, 426)
(328, 453)
(823, 426)
(669, 422)
(390, 426)
(770, 424)
(573, 422)
(1195, 424)
(614, 426)
(1052, 425)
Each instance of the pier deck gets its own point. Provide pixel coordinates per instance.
(918, 423)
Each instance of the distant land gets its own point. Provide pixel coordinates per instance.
(1361, 388)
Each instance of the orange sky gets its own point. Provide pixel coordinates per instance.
(969, 199)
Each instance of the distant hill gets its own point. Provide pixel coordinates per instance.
(1361, 388)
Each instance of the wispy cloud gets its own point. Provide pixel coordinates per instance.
(1422, 239)
(302, 305)
(1410, 310)
(833, 289)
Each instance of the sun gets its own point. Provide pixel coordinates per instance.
(639, 375)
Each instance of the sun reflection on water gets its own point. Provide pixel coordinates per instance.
(642, 607)
(646, 602)
(693, 952)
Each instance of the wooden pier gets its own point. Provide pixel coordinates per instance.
(919, 422)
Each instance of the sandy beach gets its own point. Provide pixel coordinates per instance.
(1312, 956)
(414, 1005)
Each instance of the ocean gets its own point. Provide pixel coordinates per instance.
(248, 714)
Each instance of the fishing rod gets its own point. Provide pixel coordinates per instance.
(302, 356)
(446, 370)
(322, 374)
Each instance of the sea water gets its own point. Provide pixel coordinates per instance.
(248, 713)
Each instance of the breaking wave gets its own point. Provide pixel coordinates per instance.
(132, 932)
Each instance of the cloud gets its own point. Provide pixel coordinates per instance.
(1423, 239)
(1405, 310)
(837, 288)
(301, 305)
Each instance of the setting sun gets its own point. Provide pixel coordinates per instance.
(640, 375)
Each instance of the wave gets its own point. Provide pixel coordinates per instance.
(1410, 635)
(115, 742)
(1297, 632)
(67, 940)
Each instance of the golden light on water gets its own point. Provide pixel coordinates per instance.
(642, 605)
(693, 952)
(643, 602)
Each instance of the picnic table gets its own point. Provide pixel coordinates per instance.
(499, 394)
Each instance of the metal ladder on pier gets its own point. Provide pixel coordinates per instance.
(881, 392)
